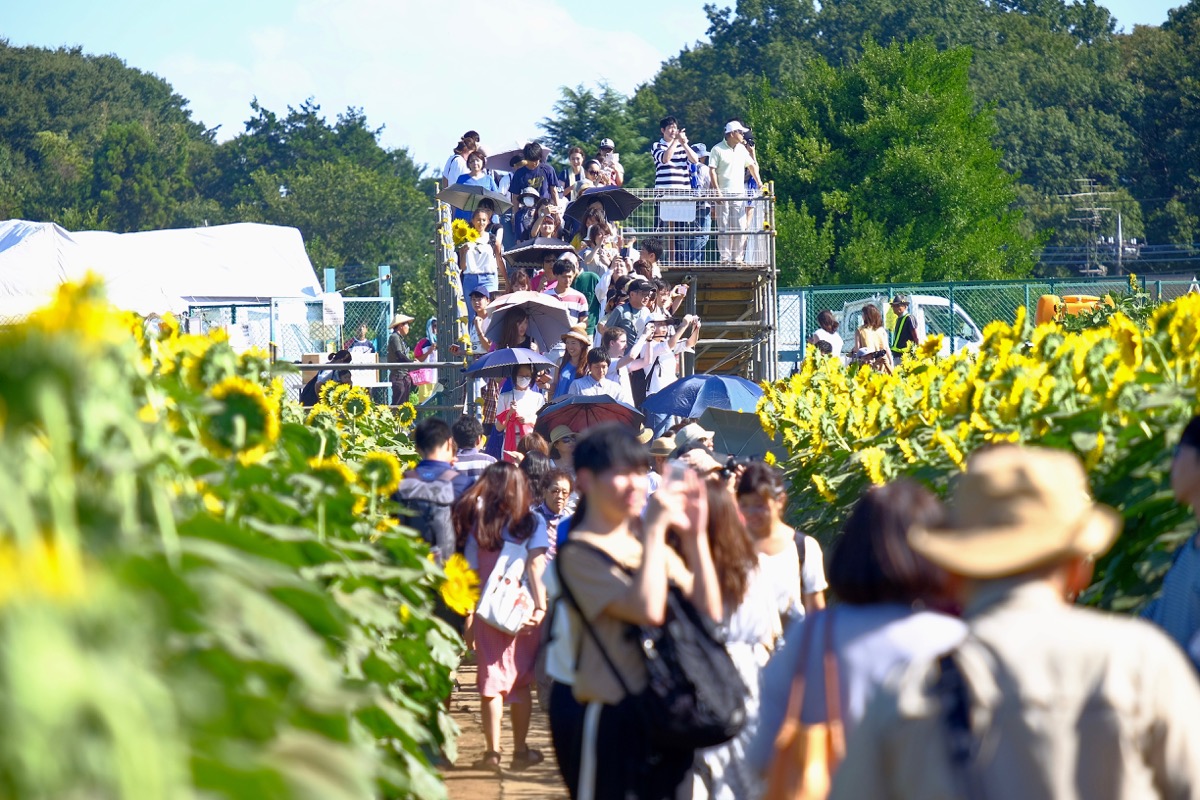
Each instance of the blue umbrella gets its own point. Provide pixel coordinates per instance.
(500, 363)
(689, 397)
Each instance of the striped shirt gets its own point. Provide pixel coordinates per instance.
(573, 299)
(472, 462)
(1177, 610)
(675, 173)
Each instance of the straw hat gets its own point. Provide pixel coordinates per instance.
(1017, 508)
(578, 333)
(400, 319)
(662, 447)
(560, 432)
(645, 435)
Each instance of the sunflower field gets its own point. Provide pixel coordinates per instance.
(1117, 394)
(204, 589)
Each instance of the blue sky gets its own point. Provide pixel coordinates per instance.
(426, 70)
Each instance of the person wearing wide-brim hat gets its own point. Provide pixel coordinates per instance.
(398, 352)
(1044, 699)
(574, 360)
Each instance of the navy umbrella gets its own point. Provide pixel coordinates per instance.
(531, 252)
(689, 397)
(618, 203)
(500, 363)
(581, 411)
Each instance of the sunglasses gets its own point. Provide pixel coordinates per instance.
(564, 440)
(593, 172)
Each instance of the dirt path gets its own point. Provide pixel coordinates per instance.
(463, 783)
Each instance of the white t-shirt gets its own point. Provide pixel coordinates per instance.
(663, 368)
(456, 166)
(480, 257)
(834, 340)
(526, 401)
(783, 573)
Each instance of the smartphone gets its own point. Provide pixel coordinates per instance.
(677, 470)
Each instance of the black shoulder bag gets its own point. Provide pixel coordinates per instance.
(694, 696)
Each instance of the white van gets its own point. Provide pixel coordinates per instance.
(931, 314)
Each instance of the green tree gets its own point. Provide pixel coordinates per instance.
(582, 117)
(133, 179)
(709, 83)
(1163, 65)
(887, 172)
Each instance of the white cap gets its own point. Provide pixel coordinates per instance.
(607, 143)
(733, 126)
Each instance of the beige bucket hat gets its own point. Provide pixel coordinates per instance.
(1017, 508)
(578, 333)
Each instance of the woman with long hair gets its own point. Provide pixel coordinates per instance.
(751, 628)
(616, 569)
(872, 337)
(480, 260)
(887, 617)
(495, 510)
(514, 331)
(574, 361)
(797, 577)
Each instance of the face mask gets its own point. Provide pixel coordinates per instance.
(523, 382)
(527, 202)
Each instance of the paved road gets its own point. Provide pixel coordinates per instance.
(463, 783)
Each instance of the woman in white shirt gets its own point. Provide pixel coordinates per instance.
(480, 259)
(798, 583)
(516, 409)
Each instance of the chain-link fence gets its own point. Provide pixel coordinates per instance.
(302, 326)
(959, 311)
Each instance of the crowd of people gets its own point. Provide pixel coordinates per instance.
(952, 661)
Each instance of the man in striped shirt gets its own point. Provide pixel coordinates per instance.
(672, 155)
(1177, 610)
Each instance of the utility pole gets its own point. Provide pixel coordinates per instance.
(1085, 210)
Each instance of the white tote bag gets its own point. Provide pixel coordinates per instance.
(506, 603)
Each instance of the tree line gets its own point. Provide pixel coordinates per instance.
(907, 139)
(843, 96)
(90, 143)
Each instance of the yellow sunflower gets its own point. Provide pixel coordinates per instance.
(460, 590)
(244, 422)
(331, 467)
(381, 471)
(42, 569)
(406, 414)
(321, 415)
(326, 389)
(356, 402)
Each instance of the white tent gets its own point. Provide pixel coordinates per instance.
(154, 271)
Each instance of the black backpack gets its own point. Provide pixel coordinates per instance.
(429, 502)
(694, 696)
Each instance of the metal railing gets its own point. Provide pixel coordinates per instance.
(705, 228)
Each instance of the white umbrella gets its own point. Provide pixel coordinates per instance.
(548, 317)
